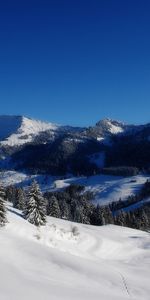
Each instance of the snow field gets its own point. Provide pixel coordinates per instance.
(108, 262)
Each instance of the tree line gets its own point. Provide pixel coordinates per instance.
(74, 204)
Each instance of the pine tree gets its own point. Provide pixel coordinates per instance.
(107, 217)
(98, 215)
(3, 219)
(143, 222)
(53, 207)
(35, 210)
(78, 214)
(64, 208)
(19, 200)
(11, 193)
(120, 219)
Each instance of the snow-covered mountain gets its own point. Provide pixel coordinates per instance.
(106, 128)
(46, 147)
(52, 262)
(111, 126)
(18, 130)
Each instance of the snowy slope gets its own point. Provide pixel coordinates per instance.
(17, 130)
(21, 179)
(107, 188)
(108, 263)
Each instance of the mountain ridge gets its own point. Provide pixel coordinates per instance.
(19, 129)
(57, 149)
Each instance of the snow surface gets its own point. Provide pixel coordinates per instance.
(108, 263)
(17, 130)
(115, 129)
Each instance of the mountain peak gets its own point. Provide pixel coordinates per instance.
(111, 126)
(17, 130)
(108, 121)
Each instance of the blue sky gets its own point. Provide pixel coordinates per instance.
(75, 62)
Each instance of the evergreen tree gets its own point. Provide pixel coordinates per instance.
(144, 220)
(11, 193)
(97, 217)
(19, 199)
(64, 208)
(53, 207)
(3, 219)
(107, 217)
(35, 209)
(120, 219)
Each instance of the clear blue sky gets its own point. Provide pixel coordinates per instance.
(75, 61)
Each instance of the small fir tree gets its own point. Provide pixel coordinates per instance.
(35, 208)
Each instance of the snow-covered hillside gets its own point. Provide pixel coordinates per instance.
(17, 130)
(108, 263)
(105, 188)
(21, 179)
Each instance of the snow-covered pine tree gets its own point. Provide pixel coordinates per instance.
(35, 208)
(11, 193)
(64, 209)
(97, 218)
(53, 207)
(19, 199)
(3, 219)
